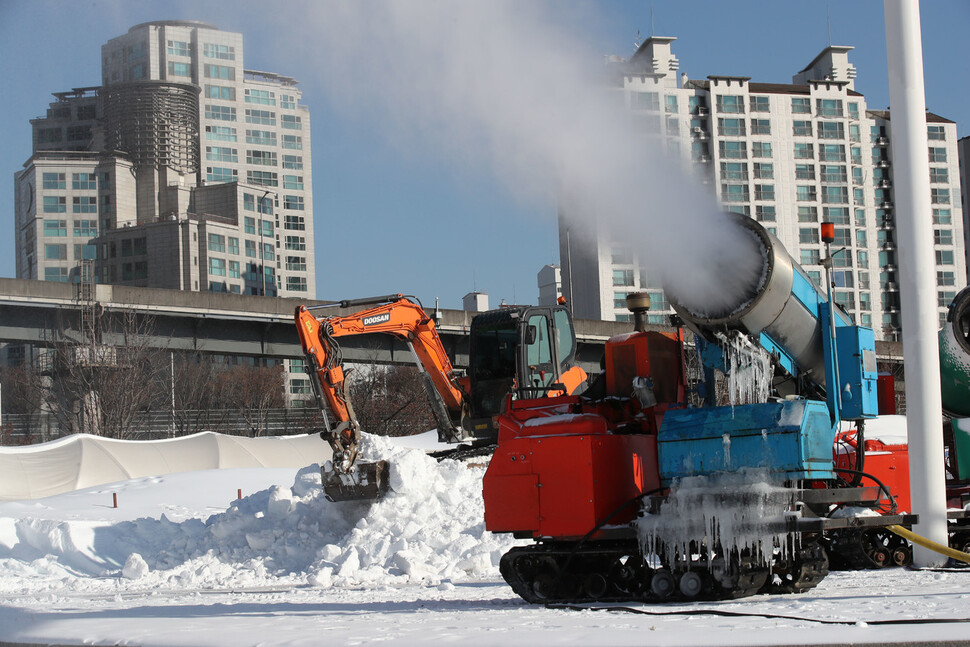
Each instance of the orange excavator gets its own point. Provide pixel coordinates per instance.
(525, 350)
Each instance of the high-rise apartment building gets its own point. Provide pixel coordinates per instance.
(183, 170)
(788, 155)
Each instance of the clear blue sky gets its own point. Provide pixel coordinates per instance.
(388, 221)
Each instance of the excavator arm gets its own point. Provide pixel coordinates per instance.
(400, 317)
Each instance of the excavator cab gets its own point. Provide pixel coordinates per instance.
(528, 351)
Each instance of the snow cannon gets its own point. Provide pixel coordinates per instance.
(955, 357)
(788, 315)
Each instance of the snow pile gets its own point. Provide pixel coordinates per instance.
(428, 528)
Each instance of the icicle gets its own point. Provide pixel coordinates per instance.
(749, 369)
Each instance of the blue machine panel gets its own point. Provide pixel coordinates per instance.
(792, 439)
(856, 352)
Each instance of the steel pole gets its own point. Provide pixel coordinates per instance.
(917, 273)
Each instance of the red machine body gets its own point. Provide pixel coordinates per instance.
(888, 463)
(564, 465)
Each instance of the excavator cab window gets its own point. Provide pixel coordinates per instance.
(540, 369)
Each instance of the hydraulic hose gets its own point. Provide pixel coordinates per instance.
(958, 555)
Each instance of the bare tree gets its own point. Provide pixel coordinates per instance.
(254, 392)
(24, 395)
(99, 388)
(391, 400)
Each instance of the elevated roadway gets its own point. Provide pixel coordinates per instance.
(43, 312)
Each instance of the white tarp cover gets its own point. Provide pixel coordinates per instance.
(81, 460)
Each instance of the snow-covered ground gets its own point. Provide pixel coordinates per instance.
(181, 561)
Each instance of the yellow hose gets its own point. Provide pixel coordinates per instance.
(932, 545)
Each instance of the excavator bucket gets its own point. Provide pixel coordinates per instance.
(364, 482)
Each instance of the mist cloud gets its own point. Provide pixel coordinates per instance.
(514, 89)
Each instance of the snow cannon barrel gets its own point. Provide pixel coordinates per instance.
(780, 309)
(955, 356)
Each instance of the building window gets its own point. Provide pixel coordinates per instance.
(294, 162)
(730, 127)
(831, 130)
(298, 264)
(808, 235)
(55, 204)
(942, 237)
(221, 154)
(55, 274)
(54, 181)
(266, 228)
(86, 228)
(55, 228)
(836, 215)
(805, 171)
(622, 277)
(251, 249)
(833, 173)
(223, 113)
(262, 178)
(294, 202)
(221, 174)
(760, 149)
(55, 252)
(764, 191)
(224, 92)
(223, 52)
(940, 196)
(760, 104)
(944, 257)
(85, 204)
(294, 223)
(178, 48)
(945, 279)
(287, 101)
(734, 171)
(942, 217)
(250, 225)
(220, 133)
(937, 155)
(935, 132)
(49, 135)
(831, 152)
(801, 106)
(234, 269)
(860, 238)
(217, 243)
(294, 182)
(733, 150)
(269, 253)
(764, 171)
(84, 181)
(741, 209)
(828, 107)
(805, 193)
(730, 103)
(223, 72)
(261, 158)
(296, 243)
(803, 151)
(835, 195)
(939, 175)
(807, 214)
(260, 117)
(291, 121)
(262, 97)
(760, 127)
(217, 266)
(802, 128)
(176, 68)
(293, 142)
(734, 193)
(765, 213)
(261, 137)
(809, 256)
(645, 100)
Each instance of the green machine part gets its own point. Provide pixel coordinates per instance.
(955, 357)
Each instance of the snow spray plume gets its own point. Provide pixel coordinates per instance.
(513, 88)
